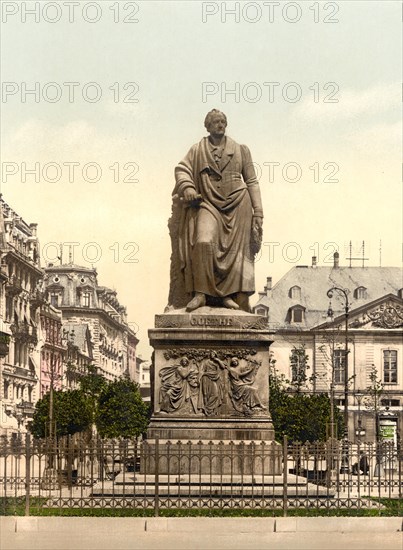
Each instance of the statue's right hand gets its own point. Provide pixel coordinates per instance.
(190, 194)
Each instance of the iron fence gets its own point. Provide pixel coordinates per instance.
(151, 476)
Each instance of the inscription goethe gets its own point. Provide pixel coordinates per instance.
(202, 320)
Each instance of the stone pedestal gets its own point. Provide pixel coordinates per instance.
(210, 386)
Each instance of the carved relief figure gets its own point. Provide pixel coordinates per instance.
(211, 395)
(179, 386)
(216, 224)
(244, 396)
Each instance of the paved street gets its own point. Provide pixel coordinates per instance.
(201, 533)
(203, 541)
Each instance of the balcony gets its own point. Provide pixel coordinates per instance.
(24, 333)
(37, 299)
(24, 373)
(27, 408)
(4, 344)
(14, 286)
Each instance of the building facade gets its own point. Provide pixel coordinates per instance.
(52, 350)
(54, 323)
(314, 332)
(79, 355)
(21, 299)
(74, 290)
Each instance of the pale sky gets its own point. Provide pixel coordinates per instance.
(353, 137)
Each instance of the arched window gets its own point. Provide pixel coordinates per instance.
(295, 292)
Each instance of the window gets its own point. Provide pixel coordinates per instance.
(390, 366)
(297, 315)
(261, 311)
(390, 402)
(339, 365)
(54, 299)
(360, 293)
(86, 299)
(295, 292)
(298, 366)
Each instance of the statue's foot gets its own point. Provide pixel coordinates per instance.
(199, 300)
(229, 303)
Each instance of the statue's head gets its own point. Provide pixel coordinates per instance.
(184, 361)
(215, 122)
(234, 362)
(193, 377)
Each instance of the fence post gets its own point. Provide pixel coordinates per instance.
(27, 472)
(156, 478)
(285, 474)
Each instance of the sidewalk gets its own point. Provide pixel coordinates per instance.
(43, 533)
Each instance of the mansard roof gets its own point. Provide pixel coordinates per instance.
(315, 281)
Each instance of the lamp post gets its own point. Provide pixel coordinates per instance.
(344, 293)
(360, 431)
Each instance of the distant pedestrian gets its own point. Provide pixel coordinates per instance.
(364, 466)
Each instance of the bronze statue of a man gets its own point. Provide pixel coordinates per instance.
(216, 226)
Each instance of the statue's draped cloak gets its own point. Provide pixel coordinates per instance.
(221, 263)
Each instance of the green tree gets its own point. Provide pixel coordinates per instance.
(71, 414)
(121, 411)
(300, 417)
(92, 384)
(372, 400)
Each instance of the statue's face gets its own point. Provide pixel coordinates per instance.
(217, 125)
(193, 379)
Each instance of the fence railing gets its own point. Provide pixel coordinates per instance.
(39, 475)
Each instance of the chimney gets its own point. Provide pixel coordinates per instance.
(268, 283)
(267, 288)
(33, 228)
(314, 261)
(336, 259)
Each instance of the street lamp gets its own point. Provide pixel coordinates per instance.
(344, 293)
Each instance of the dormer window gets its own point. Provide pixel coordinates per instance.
(296, 314)
(263, 311)
(295, 292)
(360, 293)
